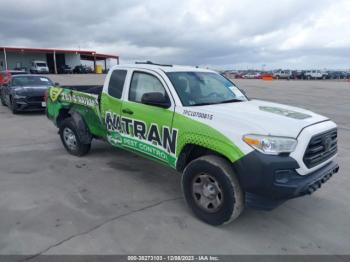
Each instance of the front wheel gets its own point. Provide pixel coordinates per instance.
(71, 140)
(13, 106)
(212, 190)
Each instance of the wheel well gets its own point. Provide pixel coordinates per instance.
(63, 114)
(191, 152)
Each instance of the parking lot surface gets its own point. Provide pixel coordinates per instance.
(114, 202)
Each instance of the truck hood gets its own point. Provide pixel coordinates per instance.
(261, 117)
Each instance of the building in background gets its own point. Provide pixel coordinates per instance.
(16, 57)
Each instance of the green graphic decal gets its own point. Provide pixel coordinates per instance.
(80, 98)
(121, 140)
(151, 131)
(197, 133)
(159, 142)
(284, 112)
(54, 93)
(83, 103)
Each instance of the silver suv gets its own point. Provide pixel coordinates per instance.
(282, 74)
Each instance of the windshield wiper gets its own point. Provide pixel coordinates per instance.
(204, 104)
(231, 101)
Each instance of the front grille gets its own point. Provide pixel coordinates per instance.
(35, 99)
(321, 147)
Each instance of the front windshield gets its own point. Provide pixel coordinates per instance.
(31, 81)
(204, 88)
(41, 64)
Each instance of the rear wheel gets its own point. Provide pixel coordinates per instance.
(71, 140)
(212, 190)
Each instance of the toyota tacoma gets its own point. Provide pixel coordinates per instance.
(232, 151)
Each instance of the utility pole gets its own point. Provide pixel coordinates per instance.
(5, 57)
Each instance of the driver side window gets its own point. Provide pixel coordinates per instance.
(142, 83)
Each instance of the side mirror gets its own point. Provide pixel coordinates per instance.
(156, 99)
(57, 84)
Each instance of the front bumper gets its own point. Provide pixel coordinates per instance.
(271, 180)
(27, 104)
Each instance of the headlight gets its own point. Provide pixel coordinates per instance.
(271, 145)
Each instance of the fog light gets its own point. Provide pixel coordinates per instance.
(282, 176)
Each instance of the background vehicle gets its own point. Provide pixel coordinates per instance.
(297, 74)
(252, 75)
(5, 76)
(65, 69)
(233, 74)
(25, 92)
(337, 75)
(231, 150)
(315, 74)
(39, 67)
(82, 69)
(282, 74)
(22, 69)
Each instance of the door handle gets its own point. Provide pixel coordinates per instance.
(127, 111)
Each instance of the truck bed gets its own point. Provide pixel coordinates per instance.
(91, 89)
(84, 99)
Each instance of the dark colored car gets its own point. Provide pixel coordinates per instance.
(82, 69)
(25, 93)
(337, 75)
(297, 74)
(65, 69)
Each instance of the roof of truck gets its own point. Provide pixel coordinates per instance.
(164, 68)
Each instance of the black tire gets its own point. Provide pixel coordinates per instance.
(13, 107)
(227, 184)
(2, 100)
(80, 148)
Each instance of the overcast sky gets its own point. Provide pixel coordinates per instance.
(221, 33)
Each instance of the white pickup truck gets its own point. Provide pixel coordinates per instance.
(39, 67)
(232, 151)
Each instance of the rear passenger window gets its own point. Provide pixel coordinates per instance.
(116, 83)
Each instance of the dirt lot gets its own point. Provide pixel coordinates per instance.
(113, 202)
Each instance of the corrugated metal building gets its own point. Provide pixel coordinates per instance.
(17, 57)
